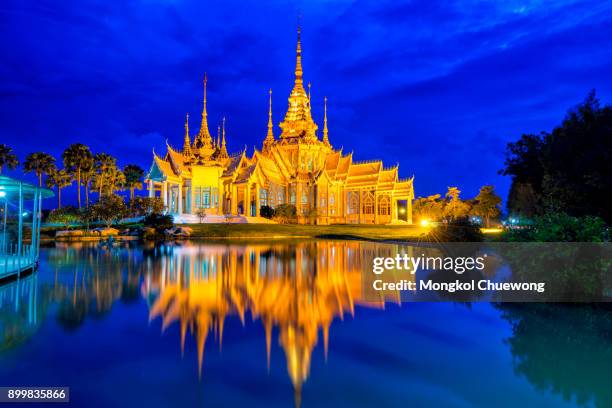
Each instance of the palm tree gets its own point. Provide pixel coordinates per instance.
(40, 163)
(103, 163)
(7, 158)
(115, 179)
(59, 179)
(133, 176)
(87, 176)
(76, 157)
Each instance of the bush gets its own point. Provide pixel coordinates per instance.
(109, 209)
(560, 227)
(266, 211)
(65, 216)
(159, 222)
(140, 206)
(285, 214)
(459, 230)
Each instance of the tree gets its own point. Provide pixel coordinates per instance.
(115, 180)
(522, 200)
(201, 213)
(76, 157)
(87, 175)
(133, 178)
(7, 158)
(109, 209)
(102, 163)
(40, 163)
(59, 179)
(146, 205)
(487, 204)
(429, 208)
(455, 208)
(568, 169)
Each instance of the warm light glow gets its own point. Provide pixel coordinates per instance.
(425, 223)
(491, 230)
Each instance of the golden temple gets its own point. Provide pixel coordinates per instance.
(297, 168)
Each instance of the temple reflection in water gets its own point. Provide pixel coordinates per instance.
(298, 288)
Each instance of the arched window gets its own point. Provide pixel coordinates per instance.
(384, 206)
(353, 203)
(368, 204)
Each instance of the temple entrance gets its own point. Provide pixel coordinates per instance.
(402, 210)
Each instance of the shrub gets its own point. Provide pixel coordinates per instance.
(285, 214)
(160, 222)
(140, 206)
(109, 209)
(560, 227)
(459, 230)
(66, 215)
(266, 211)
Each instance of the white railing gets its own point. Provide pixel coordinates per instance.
(14, 261)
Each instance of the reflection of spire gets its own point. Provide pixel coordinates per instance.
(297, 305)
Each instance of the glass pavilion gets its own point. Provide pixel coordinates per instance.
(20, 212)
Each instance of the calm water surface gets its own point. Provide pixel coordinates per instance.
(282, 324)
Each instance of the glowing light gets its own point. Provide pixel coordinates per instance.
(491, 230)
(425, 223)
(2, 194)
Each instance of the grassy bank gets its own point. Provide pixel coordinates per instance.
(370, 232)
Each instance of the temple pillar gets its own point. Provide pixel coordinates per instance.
(359, 207)
(164, 194)
(180, 198)
(234, 203)
(409, 210)
(257, 200)
(393, 209)
(298, 199)
(247, 200)
(151, 189)
(220, 198)
(376, 207)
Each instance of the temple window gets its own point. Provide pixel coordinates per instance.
(280, 197)
(323, 202)
(304, 198)
(353, 201)
(368, 204)
(332, 199)
(384, 206)
(292, 196)
(263, 197)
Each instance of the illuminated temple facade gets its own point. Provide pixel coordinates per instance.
(298, 168)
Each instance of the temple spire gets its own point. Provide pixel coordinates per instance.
(218, 136)
(223, 149)
(298, 59)
(187, 141)
(298, 121)
(204, 134)
(325, 131)
(270, 136)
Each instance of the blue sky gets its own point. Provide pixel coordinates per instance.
(439, 87)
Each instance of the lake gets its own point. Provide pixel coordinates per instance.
(282, 323)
